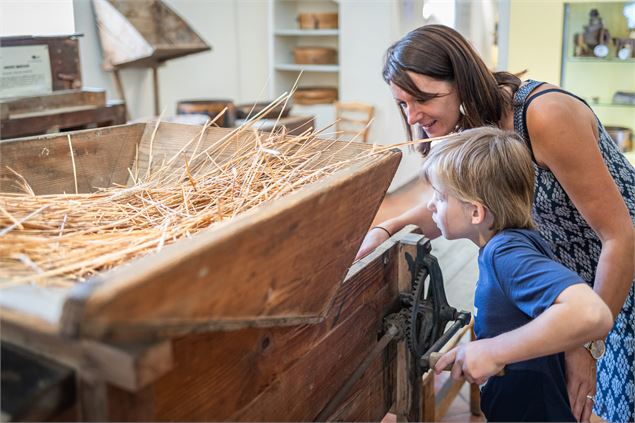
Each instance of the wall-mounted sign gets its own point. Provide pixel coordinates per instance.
(25, 70)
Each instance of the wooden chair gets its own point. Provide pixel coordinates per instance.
(353, 120)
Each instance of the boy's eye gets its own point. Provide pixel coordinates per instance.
(402, 104)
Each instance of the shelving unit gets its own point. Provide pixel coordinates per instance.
(285, 35)
(597, 79)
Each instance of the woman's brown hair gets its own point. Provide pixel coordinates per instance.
(440, 52)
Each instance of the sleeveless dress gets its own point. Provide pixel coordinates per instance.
(578, 247)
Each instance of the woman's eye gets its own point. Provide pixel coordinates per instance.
(402, 104)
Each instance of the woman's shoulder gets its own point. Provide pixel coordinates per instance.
(549, 102)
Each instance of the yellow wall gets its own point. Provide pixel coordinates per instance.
(535, 44)
(535, 37)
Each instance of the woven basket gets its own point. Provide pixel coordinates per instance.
(317, 20)
(315, 95)
(315, 55)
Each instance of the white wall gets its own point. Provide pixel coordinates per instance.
(368, 29)
(236, 68)
(36, 17)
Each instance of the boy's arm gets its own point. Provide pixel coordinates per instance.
(418, 215)
(578, 315)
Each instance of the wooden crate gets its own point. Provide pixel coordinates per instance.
(251, 320)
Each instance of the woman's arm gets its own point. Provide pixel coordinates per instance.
(578, 315)
(563, 134)
(564, 139)
(418, 215)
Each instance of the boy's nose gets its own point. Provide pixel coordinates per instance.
(430, 205)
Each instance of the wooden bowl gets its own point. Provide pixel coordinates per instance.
(315, 95)
(243, 111)
(210, 108)
(317, 20)
(315, 55)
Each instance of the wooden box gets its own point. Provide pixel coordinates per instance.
(315, 55)
(318, 20)
(250, 320)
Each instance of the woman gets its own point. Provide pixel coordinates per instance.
(584, 201)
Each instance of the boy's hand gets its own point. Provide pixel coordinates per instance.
(473, 361)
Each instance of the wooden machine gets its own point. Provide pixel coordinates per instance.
(261, 318)
(48, 89)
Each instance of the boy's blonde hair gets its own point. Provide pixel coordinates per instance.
(489, 166)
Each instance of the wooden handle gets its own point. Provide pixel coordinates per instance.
(434, 357)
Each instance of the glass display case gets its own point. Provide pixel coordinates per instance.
(598, 58)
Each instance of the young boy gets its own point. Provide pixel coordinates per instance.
(528, 308)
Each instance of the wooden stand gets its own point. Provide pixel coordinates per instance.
(59, 111)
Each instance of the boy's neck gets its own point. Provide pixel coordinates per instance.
(482, 234)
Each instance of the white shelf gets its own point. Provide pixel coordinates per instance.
(307, 68)
(307, 32)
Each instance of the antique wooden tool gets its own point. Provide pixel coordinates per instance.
(421, 321)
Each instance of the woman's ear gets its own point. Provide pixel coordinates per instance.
(478, 213)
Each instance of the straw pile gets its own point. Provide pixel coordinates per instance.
(66, 238)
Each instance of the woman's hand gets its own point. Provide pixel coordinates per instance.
(473, 361)
(372, 240)
(581, 377)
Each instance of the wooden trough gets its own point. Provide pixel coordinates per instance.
(253, 319)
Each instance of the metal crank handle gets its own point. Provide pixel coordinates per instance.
(434, 357)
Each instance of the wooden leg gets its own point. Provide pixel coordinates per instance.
(155, 88)
(120, 92)
(93, 399)
(475, 392)
(428, 402)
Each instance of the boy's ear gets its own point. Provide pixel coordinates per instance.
(478, 213)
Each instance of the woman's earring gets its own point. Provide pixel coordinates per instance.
(462, 109)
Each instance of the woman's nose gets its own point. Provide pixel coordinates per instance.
(412, 113)
(430, 205)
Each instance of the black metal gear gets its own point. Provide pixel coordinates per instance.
(429, 311)
(420, 324)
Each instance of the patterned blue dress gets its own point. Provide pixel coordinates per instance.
(578, 247)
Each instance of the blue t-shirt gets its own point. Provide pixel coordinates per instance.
(518, 280)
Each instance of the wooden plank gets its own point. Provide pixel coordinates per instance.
(286, 373)
(101, 159)
(261, 269)
(127, 366)
(55, 100)
(63, 119)
(409, 389)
